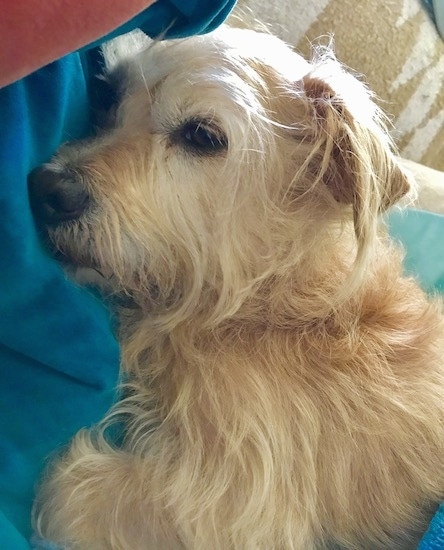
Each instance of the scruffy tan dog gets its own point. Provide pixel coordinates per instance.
(285, 381)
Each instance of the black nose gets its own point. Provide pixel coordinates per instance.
(56, 196)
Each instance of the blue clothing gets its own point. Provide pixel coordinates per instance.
(58, 355)
(434, 538)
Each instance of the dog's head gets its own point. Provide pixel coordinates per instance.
(230, 160)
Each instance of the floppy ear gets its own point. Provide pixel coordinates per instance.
(348, 151)
(361, 170)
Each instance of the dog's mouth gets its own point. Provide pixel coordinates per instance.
(82, 268)
(82, 265)
(72, 245)
(85, 271)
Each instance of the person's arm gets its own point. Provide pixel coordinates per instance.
(35, 33)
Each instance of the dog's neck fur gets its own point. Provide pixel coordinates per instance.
(300, 308)
(301, 295)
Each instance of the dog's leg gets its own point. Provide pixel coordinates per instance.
(98, 500)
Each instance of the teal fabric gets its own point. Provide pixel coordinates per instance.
(58, 356)
(435, 9)
(438, 6)
(422, 235)
(434, 538)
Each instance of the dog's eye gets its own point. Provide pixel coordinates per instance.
(202, 137)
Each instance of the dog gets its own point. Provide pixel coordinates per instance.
(283, 380)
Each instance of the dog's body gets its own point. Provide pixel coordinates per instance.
(285, 381)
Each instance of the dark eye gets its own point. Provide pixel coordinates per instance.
(202, 137)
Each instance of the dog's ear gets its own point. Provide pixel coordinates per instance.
(345, 153)
(360, 168)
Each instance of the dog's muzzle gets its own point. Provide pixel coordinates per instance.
(56, 197)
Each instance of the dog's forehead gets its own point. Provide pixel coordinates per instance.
(235, 49)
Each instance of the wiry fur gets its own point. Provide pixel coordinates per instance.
(285, 380)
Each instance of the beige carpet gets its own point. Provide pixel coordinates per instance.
(392, 43)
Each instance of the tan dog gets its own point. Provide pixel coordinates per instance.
(285, 381)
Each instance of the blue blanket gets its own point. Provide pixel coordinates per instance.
(58, 355)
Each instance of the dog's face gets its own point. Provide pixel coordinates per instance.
(229, 159)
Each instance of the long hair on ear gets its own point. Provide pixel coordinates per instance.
(357, 166)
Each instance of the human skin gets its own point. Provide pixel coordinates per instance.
(33, 33)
